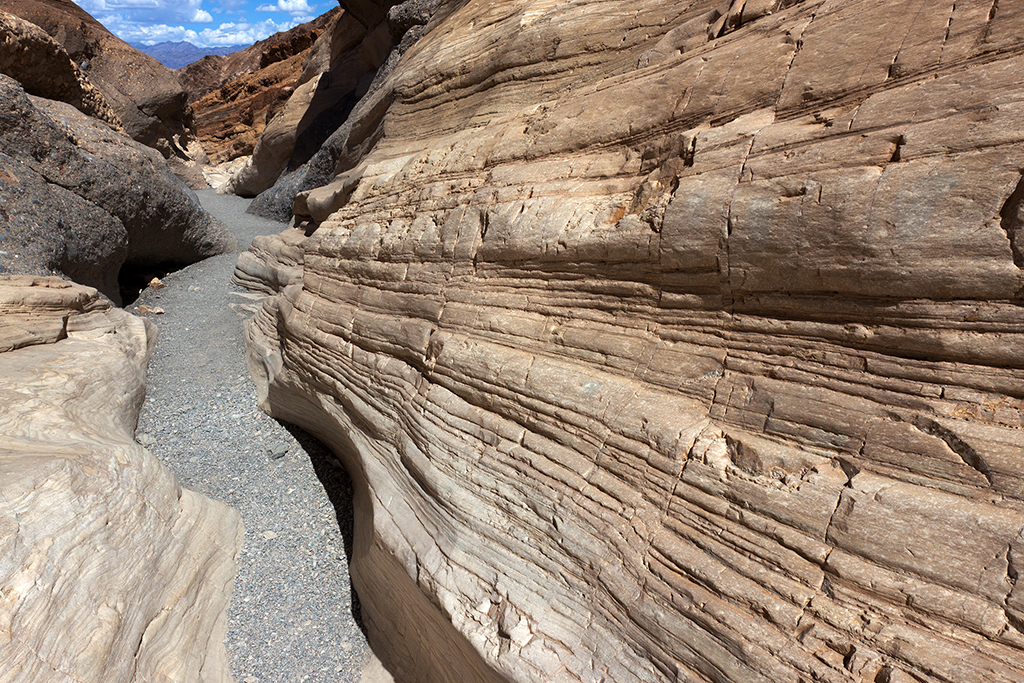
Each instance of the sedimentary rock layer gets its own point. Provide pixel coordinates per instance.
(677, 341)
(109, 570)
(235, 96)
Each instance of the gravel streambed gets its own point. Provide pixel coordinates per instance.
(291, 613)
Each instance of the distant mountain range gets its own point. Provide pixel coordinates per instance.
(182, 53)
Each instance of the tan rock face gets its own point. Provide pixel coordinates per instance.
(145, 95)
(677, 342)
(235, 96)
(109, 570)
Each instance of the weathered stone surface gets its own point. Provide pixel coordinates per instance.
(80, 198)
(677, 342)
(235, 96)
(319, 104)
(43, 67)
(145, 95)
(109, 570)
(337, 142)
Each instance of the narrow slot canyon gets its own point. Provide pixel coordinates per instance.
(292, 615)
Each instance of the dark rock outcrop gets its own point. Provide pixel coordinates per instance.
(80, 198)
(675, 342)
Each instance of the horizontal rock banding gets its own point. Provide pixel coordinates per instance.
(680, 342)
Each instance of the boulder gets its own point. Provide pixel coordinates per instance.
(83, 199)
(676, 342)
(110, 572)
(145, 95)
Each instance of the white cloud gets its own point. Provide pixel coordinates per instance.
(130, 19)
(296, 8)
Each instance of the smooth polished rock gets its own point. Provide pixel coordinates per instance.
(676, 341)
(109, 570)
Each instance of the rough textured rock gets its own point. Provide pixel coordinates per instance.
(42, 66)
(342, 138)
(109, 570)
(318, 105)
(234, 96)
(677, 341)
(80, 198)
(145, 95)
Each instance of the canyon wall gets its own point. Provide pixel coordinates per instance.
(110, 572)
(144, 94)
(673, 341)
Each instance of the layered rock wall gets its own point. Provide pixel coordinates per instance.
(235, 96)
(109, 570)
(676, 342)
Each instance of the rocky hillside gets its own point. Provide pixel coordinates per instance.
(234, 96)
(671, 341)
(144, 94)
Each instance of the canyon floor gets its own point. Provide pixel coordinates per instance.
(292, 616)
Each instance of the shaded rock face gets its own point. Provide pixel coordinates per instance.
(145, 95)
(109, 570)
(235, 96)
(314, 112)
(676, 342)
(80, 198)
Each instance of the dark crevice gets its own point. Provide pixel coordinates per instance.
(1012, 221)
(133, 279)
(897, 153)
(970, 456)
(338, 487)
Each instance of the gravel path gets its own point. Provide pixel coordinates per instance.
(291, 614)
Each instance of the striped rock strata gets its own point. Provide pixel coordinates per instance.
(677, 342)
(109, 570)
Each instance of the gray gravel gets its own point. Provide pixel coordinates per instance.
(291, 615)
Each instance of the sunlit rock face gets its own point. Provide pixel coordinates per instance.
(109, 570)
(144, 94)
(675, 341)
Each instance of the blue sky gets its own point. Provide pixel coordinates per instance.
(202, 22)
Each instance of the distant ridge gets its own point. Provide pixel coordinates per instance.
(182, 53)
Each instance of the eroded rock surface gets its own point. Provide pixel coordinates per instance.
(83, 199)
(235, 96)
(340, 69)
(145, 95)
(676, 341)
(109, 570)
(42, 66)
